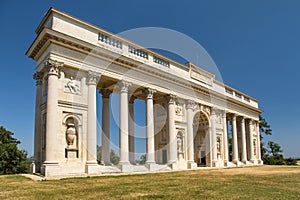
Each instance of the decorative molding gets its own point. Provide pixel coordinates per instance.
(72, 86)
(149, 93)
(53, 67)
(171, 98)
(38, 76)
(123, 86)
(189, 104)
(105, 93)
(179, 110)
(93, 78)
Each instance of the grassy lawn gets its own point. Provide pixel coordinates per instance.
(264, 182)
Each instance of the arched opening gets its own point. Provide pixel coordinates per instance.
(201, 139)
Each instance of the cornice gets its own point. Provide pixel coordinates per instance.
(66, 40)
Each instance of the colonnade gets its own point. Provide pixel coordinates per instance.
(126, 126)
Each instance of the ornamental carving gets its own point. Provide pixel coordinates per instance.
(72, 86)
(179, 110)
(53, 67)
(38, 76)
(180, 145)
(93, 78)
(219, 146)
(123, 86)
(171, 98)
(105, 93)
(206, 109)
(190, 104)
(254, 147)
(149, 93)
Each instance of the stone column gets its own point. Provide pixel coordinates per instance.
(190, 134)
(131, 129)
(124, 150)
(37, 125)
(244, 147)
(225, 138)
(53, 69)
(150, 156)
(105, 127)
(213, 138)
(258, 144)
(172, 146)
(251, 147)
(234, 140)
(92, 119)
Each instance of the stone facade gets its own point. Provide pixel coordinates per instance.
(188, 112)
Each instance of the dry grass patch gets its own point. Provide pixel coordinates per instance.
(265, 182)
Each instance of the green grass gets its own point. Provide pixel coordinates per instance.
(265, 182)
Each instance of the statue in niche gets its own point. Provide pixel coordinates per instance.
(71, 133)
(219, 145)
(180, 145)
(72, 86)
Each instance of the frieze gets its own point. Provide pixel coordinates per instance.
(72, 86)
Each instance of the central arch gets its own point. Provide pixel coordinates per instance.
(201, 124)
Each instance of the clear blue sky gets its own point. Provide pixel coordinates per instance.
(255, 45)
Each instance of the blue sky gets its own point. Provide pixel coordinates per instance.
(255, 45)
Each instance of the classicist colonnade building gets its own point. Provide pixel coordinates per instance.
(190, 115)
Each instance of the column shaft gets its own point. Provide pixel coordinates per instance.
(213, 140)
(150, 156)
(37, 126)
(250, 128)
(131, 130)
(92, 119)
(244, 147)
(172, 146)
(225, 138)
(234, 140)
(258, 143)
(105, 127)
(52, 111)
(124, 140)
(190, 134)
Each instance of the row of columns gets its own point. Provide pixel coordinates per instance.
(212, 138)
(127, 126)
(235, 156)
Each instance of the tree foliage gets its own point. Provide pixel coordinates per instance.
(264, 126)
(114, 158)
(142, 159)
(12, 160)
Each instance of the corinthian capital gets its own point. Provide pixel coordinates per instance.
(123, 86)
(53, 67)
(105, 93)
(93, 78)
(38, 76)
(189, 104)
(171, 98)
(149, 92)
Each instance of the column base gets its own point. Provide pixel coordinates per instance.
(191, 164)
(246, 162)
(92, 168)
(125, 166)
(226, 163)
(172, 165)
(151, 166)
(48, 169)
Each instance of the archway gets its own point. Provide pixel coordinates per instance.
(201, 139)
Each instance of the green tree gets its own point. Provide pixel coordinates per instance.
(12, 160)
(142, 159)
(114, 158)
(264, 128)
(274, 149)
